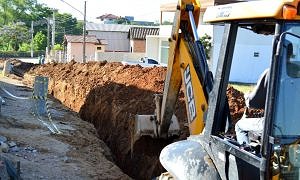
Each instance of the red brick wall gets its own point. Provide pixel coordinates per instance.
(139, 46)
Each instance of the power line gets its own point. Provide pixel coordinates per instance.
(72, 7)
(84, 26)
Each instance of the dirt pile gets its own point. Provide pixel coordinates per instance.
(236, 103)
(19, 67)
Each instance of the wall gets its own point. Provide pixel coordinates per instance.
(139, 46)
(118, 56)
(116, 41)
(74, 50)
(101, 48)
(152, 47)
(245, 67)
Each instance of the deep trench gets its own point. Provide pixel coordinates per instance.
(112, 108)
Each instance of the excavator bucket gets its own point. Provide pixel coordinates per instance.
(146, 125)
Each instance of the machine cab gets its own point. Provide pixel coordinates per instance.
(214, 153)
(278, 153)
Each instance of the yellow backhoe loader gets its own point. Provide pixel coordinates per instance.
(208, 153)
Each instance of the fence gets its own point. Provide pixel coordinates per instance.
(18, 54)
(60, 56)
(118, 56)
(57, 56)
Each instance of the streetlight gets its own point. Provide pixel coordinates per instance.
(84, 27)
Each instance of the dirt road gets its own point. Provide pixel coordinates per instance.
(77, 153)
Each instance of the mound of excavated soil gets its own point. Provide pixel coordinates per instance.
(236, 103)
(109, 95)
(19, 67)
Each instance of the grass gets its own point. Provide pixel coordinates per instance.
(243, 87)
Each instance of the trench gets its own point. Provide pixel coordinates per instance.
(109, 95)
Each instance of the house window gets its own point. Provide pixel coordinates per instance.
(256, 54)
(99, 48)
(164, 52)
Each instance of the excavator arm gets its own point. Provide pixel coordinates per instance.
(186, 65)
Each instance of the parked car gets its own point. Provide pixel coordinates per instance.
(148, 60)
(144, 62)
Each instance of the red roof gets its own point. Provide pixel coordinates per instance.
(79, 39)
(107, 16)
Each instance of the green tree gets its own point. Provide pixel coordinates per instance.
(58, 47)
(27, 11)
(78, 29)
(15, 10)
(39, 16)
(12, 36)
(40, 41)
(65, 24)
(25, 47)
(122, 20)
(206, 42)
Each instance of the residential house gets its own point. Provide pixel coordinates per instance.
(137, 37)
(108, 18)
(128, 41)
(116, 35)
(74, 47)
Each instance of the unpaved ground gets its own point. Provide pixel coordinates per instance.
(109, 95)
(77, 153)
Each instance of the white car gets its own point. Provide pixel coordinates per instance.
(144, 62)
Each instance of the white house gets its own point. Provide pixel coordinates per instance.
(116, 35)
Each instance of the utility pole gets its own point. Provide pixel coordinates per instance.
(31, 45)
(84, 36)
(53, 30)
(84, 28)
(48, 37)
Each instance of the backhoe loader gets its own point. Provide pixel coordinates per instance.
(208, 153)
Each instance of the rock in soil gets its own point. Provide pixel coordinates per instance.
(4, 147)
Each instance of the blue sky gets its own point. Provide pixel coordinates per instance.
(147, 10)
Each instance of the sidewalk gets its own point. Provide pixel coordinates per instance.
(34, 60)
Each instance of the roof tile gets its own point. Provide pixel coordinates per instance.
(142, 32)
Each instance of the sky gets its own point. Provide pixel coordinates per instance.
(146, 10)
